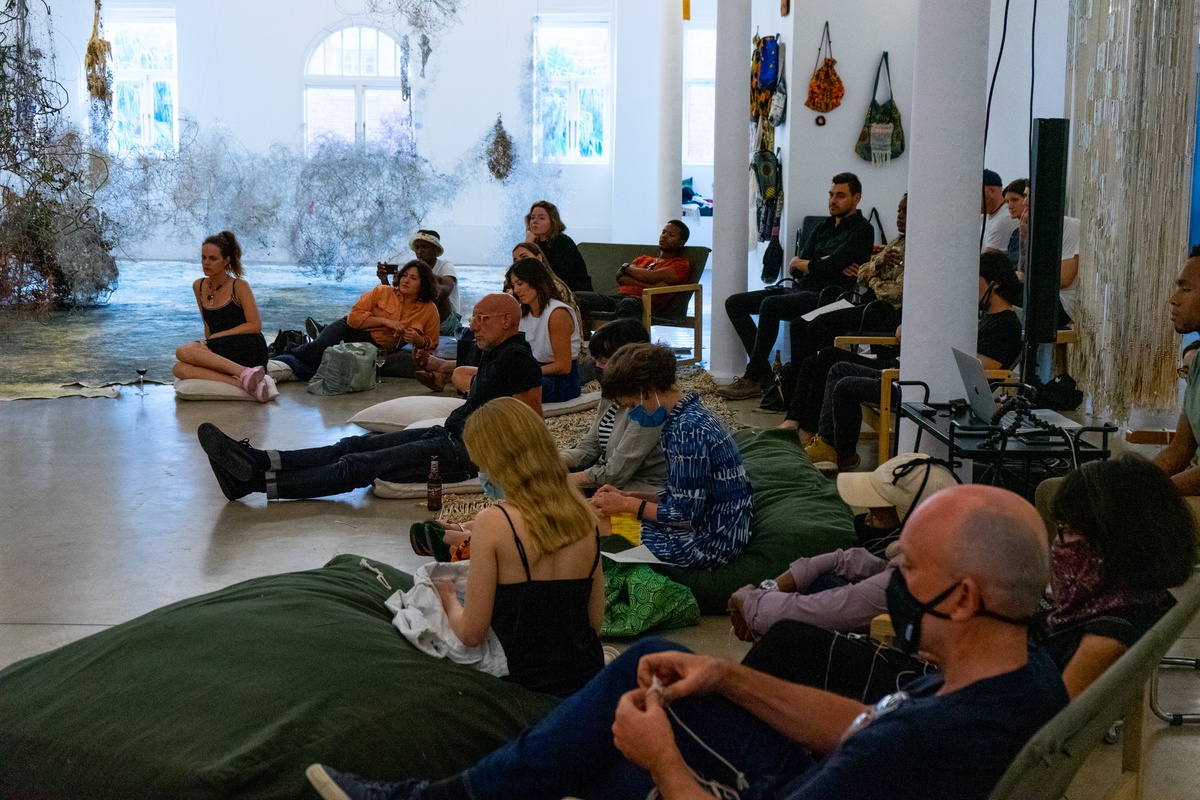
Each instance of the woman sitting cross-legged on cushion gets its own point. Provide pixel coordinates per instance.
(233, 350)
(535, 576)
(616, 450)
(388, 317)
(702, 517)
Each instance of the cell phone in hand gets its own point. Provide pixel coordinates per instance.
(390, 269)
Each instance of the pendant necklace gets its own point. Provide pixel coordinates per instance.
(212, 292)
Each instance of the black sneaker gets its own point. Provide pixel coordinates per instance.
(312, 327)
(334, 785)
(772, 402)
(231, 487)
(238, 459)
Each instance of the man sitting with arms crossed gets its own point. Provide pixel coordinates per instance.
(670, 268)
(507, 369)
(973, 565)
(830, 257)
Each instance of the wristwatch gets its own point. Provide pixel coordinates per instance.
(769, 586)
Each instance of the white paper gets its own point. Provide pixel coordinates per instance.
(837, 305)
(635, 555)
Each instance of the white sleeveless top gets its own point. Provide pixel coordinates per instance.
(537, 332)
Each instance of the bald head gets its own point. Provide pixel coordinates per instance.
(495, 319)
(1185, 300)
(991, 535)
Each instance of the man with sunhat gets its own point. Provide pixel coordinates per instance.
(427, 246)
(846, 589)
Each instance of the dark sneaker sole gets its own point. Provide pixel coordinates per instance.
(231, 487)
(226, 452)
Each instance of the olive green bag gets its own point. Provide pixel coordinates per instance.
(345, 368)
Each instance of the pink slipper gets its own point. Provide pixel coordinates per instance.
(251, 380)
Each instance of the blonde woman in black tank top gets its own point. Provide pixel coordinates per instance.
(233, 350)
(535, 575)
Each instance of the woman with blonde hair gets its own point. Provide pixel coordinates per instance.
(535, 574)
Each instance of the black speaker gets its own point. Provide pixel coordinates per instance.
(1047, 201)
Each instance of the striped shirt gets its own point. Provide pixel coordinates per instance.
(704, 511)
(604, 431)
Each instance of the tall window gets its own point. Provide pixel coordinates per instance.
(145, 87)
(699, 94)
(571, 90)
(356, 90)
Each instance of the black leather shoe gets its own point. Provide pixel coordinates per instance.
(231, 487)
(236, 458)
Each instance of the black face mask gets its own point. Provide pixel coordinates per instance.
(906, 612)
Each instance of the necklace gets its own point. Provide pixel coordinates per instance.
(212, 290)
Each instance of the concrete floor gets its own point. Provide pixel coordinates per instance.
(109, 509)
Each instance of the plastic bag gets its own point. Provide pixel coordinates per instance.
(345, 368)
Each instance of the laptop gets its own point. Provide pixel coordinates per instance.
(983, 404)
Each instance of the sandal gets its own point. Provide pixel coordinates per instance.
(252, 382)
(434, 531)
(416, 538)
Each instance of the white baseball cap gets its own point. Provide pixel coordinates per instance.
(892, 485)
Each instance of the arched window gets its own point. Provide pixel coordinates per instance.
(356, 89)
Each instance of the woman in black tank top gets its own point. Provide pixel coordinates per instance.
(233, 350)
(535, 573)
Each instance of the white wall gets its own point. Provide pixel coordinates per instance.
(241, 64)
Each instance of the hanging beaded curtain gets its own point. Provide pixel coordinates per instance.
(1132, 68)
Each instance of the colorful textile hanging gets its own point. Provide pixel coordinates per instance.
(825, 89)
(882, 137)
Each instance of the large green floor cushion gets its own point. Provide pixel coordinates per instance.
(234, 693)
(797, 512)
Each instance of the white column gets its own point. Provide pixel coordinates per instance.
(731, 183)
(945, 165)
(670, 113)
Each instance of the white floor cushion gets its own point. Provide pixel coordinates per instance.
(280, 371)
(415, 491)
(197, 389)
(585, 402)
(405, 412)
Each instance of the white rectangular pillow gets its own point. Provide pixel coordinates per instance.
(400, 413)
(200, 389)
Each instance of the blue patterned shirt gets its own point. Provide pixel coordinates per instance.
(704, 511)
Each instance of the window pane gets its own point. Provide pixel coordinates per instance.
(164, 115)
(127, 114)
(700, 55)
(143, 45)
(387, 57)
(700, 110)
(333, 54)
(591, 122)
(330, 114)
(350, 52)
(552, 119)
(386, 118)
(572, 52)
(369, 41)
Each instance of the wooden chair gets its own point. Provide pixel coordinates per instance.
(1062, 342)
(604, 259)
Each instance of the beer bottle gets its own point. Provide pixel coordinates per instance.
(433, 490)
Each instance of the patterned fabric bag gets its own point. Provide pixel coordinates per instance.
(636, 599)
(764, 74)
(882, 137)
(825, 89)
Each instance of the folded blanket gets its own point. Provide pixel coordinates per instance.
(421, 619)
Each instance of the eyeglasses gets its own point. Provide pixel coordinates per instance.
(478, 318)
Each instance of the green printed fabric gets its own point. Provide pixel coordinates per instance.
(637, 599)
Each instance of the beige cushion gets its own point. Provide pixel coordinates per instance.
(426, 410)
(198, 389)
(280, 371)
(415, 491)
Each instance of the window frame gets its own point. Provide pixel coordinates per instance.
(573, 87)
(359, 83)
(145, 79)
(688, 83)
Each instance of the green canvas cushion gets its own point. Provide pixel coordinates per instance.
(234, 693)
(797, 512)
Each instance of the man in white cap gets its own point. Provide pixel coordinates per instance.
(427, 246)
(846, 589)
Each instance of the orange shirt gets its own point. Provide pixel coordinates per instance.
(680, 270)
(382, 301)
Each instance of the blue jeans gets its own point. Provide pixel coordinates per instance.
(401, 456)
(560, 388)
(571, 751)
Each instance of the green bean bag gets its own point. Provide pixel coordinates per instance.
(234, 693)
(797, 512)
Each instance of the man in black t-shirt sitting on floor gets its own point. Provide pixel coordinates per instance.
(507, 369)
